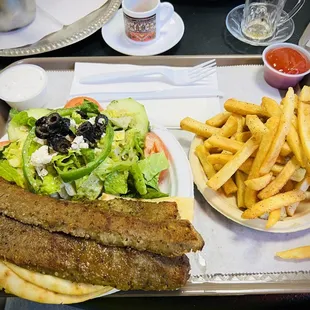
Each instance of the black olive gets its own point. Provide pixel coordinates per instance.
(101, 120)
(41, 121)
(53, 122)
(64, 127)
(59, 143)
(42, 131)
(83, 114)
(98, 131)
(87, 131)
(66, 122)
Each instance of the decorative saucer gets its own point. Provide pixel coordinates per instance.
(114, 35)
(233, 24)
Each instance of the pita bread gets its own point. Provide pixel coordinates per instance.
(12, 283)
(185, 204)
(55, 284)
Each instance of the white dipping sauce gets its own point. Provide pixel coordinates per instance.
(22, 82)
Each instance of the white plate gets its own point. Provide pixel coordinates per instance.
(228, 206)
(114, 35)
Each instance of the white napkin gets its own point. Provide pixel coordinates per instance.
(167, 112)
(51, 17)
(67, 12)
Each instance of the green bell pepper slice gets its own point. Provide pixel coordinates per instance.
(71, 175)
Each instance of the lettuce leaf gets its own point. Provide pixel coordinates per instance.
(12, 174)
(116, 183)
(13, 153)
(88, 187)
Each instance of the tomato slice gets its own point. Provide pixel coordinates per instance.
(77, 101)
(4, 143)
(153, 144)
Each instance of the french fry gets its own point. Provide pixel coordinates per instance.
(240, 178)
(255, 125)
(219, 119)
(233, 165)
(274, 217)
(225, 143)
(243, 136)
(305, 94)
(241, 122)
(229, 128)
(243, 108)
(271, 107)
(246, 166)
(202, 154)
(259, 183)
(273, 203)
(297, 176)
(222, 159)
(303, 186)
(294, 142)
(285, 150)
(281, 160)
(198, 128)
(302, 252)
(230, 187)
(218, 167)
(282, 131)
(264, 146)
(276, 185)
(304, 126)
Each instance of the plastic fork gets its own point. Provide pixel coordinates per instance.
(174, 76)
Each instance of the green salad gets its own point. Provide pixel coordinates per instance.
(80, 152)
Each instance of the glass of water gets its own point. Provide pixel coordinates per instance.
(262, 17)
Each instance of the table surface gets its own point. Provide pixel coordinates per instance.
(205, 33)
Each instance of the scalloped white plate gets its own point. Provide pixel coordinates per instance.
(228, 206)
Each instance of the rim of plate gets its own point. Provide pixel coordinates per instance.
(227, 205)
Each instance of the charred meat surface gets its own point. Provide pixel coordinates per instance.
(172, 237)
(86, 261)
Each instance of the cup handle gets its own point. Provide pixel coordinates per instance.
(166, 12)
(292, 13)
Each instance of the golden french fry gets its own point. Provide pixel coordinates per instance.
(304, 126)
(282, 131)
(219, 119)
(218, 167)
(233, 165)
(281, 160)
(305, 94)
(202, 154)
(198, 128)
(240, 178)
(302, 252)
(264, 146)
(243, 136)
(285, 150)
(246, 166)
(276, 185)
(243, 108)
(271, 107)
(255, 125)
(273, 203)
(294, 142)
(273, 218)
(225, 143)
(303, 186)
(297, 176)
(230, 187)
(241, 122)
(259, 183)
(229, 128)
(220, 158)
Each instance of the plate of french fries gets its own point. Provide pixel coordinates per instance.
(252, 162)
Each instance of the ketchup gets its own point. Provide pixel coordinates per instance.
(287, 60)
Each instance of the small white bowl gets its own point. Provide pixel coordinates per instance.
(23, 86)
(279, 79)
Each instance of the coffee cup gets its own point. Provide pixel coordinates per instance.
(144, 19)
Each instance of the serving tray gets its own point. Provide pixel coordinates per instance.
(68, 35)
(215, 284)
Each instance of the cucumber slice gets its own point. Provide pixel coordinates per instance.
(136, 110)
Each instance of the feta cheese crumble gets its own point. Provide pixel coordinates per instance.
(79, 143)
(92, 120)
(41, 156)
